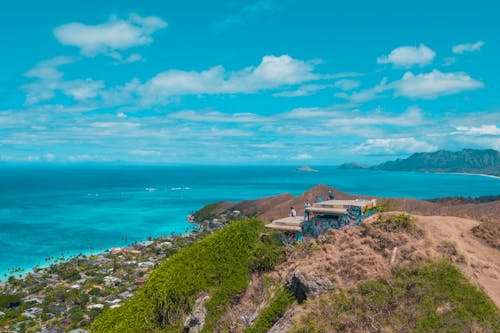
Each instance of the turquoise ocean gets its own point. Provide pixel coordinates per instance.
(67, 210)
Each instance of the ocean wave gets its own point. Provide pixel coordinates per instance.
(180, 188)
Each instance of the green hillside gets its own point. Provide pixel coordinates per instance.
(220, 265)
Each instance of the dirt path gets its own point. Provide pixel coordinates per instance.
(482, 262)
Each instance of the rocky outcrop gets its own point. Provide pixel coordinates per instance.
(307, 286)
(196, 320)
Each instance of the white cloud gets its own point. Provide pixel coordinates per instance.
(480, 130)
(271, 73)
(47, 69)
(467, 47)
(49, 156)
(303, 156)
(407, 56)
(267, 157)
(305, 90)
(81, 89)
(143, 152)
(215, 116)
(434, 84)
(82, 158)
(49, 79)
(365, 95)
(110, 37)
(346, 84)
(394, 146)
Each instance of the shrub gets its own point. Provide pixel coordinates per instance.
(396, 223)
(9, 301)
(267, 254)
(270, 315)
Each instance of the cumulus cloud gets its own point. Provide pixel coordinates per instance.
(434, 84)
(467, 47)
(271, 73)
(49, 79)
(479, 130)
(394, 146)
(110, 37)
(407, 56)
(420, 86)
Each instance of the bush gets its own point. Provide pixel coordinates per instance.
(9, 301)
(396, 223)
(267, 254)
(270, 315)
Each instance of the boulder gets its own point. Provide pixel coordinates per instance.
(196, 320)
(307, 286)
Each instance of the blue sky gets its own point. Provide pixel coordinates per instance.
(246, 82)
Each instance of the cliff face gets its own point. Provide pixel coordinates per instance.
(468, 160)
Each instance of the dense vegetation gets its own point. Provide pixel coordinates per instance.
(220, 265)
(428, 297)
(270, 315)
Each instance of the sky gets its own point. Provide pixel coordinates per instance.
(246, 82)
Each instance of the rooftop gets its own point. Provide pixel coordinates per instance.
(342, 203)
(287, 223)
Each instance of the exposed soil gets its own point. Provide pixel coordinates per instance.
(489, 232)
(481, 263)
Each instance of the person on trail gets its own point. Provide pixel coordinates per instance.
(293, 212)
(330, 195)
(306, 211)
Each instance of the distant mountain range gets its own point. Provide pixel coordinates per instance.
(485, 161)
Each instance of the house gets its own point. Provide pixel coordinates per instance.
(146, 264)
(114, 301)
(33, 312)
(32, 298)
(95, 306)
(323, 216)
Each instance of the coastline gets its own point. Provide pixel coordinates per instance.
(467, 174)
(21, 273)
(86, 284)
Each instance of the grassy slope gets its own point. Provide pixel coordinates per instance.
(219, 264)
(428, 297)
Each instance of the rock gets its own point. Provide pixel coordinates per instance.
(307, 286)
(196, 320)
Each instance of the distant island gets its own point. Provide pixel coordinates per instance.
(353, 166)
(473, 161)
(306, 168)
